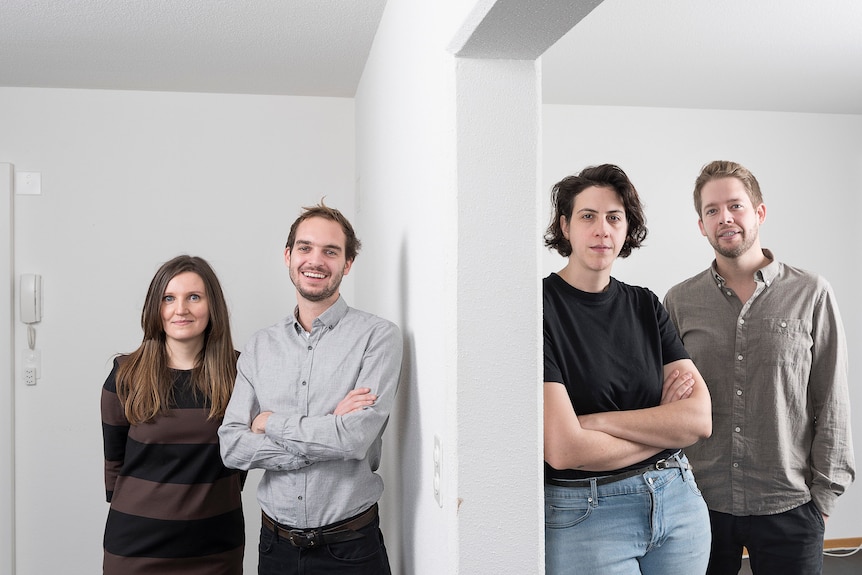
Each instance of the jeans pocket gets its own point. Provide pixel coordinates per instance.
(358, 550)
(692, 483)
(564, 514)
(267, 538)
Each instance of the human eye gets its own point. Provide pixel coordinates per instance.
(710, 211)
(168, 299)
(195, 297)
(331, 253)
(586, 216)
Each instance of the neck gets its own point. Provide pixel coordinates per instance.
(742, 268)
(308, 311)
(586, 281)
(184, 354)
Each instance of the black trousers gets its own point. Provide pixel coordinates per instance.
(789, 543)
(363, 556)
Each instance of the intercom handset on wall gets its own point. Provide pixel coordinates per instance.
(31, 298)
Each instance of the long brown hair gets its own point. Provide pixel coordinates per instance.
(144, 381)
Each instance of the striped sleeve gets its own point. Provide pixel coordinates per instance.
(115, 430)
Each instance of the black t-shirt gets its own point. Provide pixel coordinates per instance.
(608, 349)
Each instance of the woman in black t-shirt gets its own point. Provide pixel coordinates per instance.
(621, 399)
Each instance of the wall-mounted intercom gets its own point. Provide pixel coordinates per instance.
(31, 298)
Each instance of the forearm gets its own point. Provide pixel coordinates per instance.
(670, 426)
(327, 437)
(673, 424)
(589, 450)
(242, 449)
(567, 445)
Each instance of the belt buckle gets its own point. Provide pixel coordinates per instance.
(303, 539)
(661, 464)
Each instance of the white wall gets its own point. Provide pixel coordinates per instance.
(810, 171)
(129, 180)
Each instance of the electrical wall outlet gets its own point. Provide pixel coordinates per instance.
(438, 470)
(31, 360)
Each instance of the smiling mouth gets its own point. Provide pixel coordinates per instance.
(728, 234)
(314, 275)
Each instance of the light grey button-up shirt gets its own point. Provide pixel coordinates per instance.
(776, 367)
(319, 468)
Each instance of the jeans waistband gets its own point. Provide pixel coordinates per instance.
(673, 462)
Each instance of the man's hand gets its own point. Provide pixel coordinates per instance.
(356, 399)
(676, 386)
(259, 423)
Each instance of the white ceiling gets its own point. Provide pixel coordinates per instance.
(779, 55)
(783, 55)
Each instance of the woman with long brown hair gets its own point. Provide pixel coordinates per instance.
(175, 508)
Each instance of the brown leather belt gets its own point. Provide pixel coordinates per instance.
(335, 533)
(671, 462)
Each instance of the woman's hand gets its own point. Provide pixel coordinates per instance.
(676, 386)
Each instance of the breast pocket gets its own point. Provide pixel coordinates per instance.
(784, 341)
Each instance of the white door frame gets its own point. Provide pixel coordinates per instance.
(7, 376)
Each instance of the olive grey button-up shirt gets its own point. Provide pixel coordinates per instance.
(776, 367)
(319, 468)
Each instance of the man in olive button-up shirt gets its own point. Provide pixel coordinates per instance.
(769, 341)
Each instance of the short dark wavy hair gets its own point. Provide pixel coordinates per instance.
(605, 176)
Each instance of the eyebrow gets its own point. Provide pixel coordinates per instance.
(327, 246)
(594, 211)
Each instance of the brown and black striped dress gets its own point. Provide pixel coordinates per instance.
(175, 507)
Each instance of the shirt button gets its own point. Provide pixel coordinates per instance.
(739, 357)
(309, 348)
(737, 429)
(303, 383)
(300, 497)
(784, 324)
(741, 321)
(729, 292)
(738, 392)
(736, 465)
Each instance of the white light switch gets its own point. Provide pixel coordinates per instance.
(28, 183)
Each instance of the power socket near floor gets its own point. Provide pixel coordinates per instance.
(31, 359)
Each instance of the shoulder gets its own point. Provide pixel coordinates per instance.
(691, 285)
(792, 273)
(635, 293)
(358, 319)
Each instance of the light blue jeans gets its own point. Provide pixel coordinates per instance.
(651, 524)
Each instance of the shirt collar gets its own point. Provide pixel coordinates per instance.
(328, 318)
(766, 274)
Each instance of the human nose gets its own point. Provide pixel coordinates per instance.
(602, 229)
(182, 307)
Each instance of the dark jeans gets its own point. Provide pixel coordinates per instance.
(364, 556)
(789, 543)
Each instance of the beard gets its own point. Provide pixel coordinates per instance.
(748, 238)
(322, 293)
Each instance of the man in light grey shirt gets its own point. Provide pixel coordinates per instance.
(769, 341)
(313, 394)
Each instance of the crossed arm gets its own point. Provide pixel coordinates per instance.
(615, 439)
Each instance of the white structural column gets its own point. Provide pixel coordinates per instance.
(499, 421)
